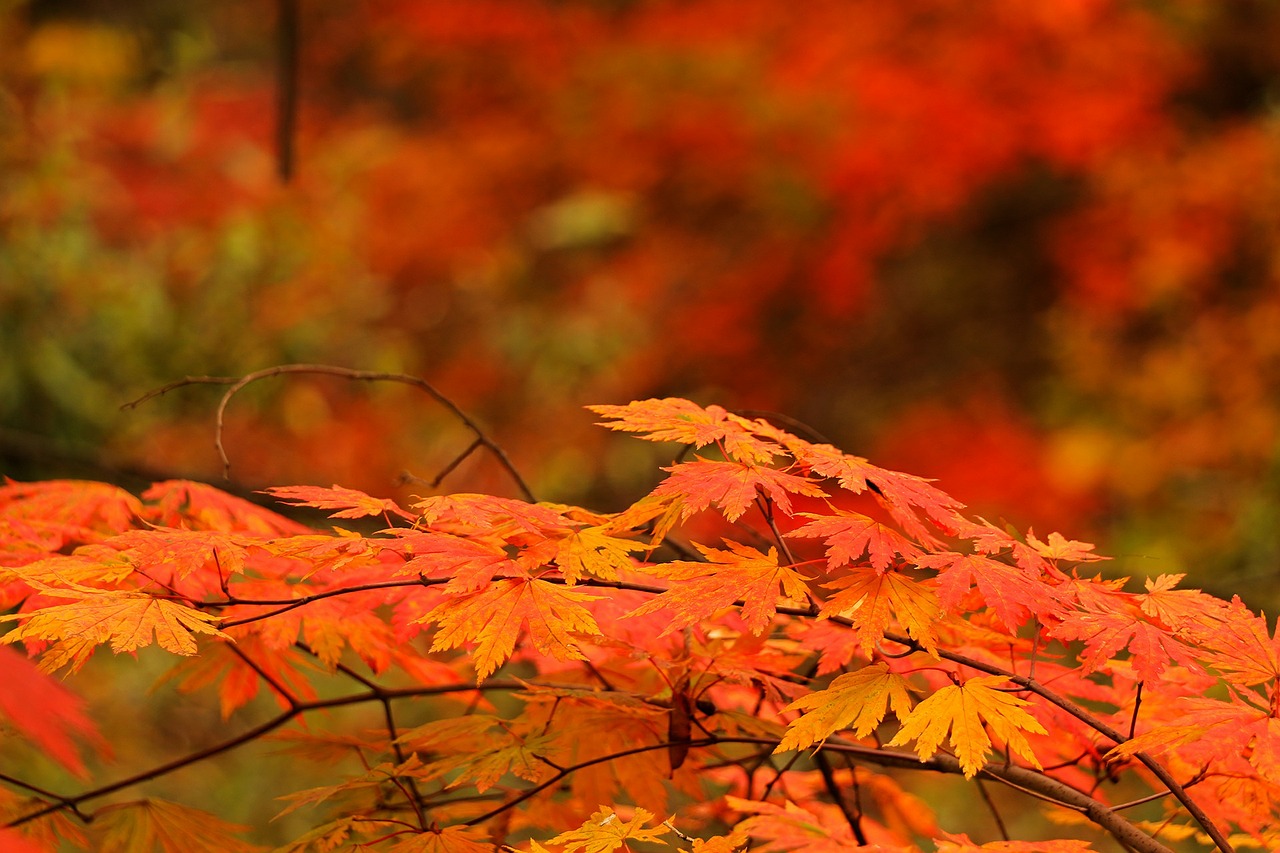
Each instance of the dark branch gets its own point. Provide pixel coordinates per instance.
(239, 383)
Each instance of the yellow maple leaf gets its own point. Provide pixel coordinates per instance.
(857, 700)
(962, 709)
(127, 619)
(871, 600)
(592, 551)
(606, 830)
(493, 616)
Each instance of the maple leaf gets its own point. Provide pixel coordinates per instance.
(734, 842)
(449, 839)
(732, 486)
(1228, 729)
(849, 535)
(331, 836)
(191, 505)
(790, 827)
(592, 551)
(128, 620)
(479, 750)
(489, 514)
(1006, 589)
(237, 680)
(43, 711)
(369, 782)
(332, 625)
(469, 563)
(871, 600)
(1106, 631)
(1243, 649)
(169, 555)
(1060, 548)
(661, 513)
(144, 825)
(492, 618)
(856, 699)
(348, 503)
(70, 510)
(668, 419)
(740, 574)
(856, 474)
(962, 710)
(606, 830)
(321, 552)
(673, 419)
(1188, 612)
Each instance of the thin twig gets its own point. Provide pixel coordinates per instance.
(238, 383)
(991, 806)
(853, 818)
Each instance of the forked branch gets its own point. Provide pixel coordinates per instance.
(238, 383)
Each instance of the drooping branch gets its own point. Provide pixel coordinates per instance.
(60, 803)
(238, 383)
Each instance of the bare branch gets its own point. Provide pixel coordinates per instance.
(240, 382)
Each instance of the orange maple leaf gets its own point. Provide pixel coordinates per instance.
(84, 510)
(1061, 548)
(490, 514)
(1008, 590)
(898, 489)
(1188, 612)
(790, 827)
(1231, 728)
(478, 750)
(1243, 649)
(448, 839)
(849, 535)
(348, 503)
(492, 618)
(1105, 631)
(732, 486)
(469, 563)
(871, 601)
(964, 710)
(740, 574)
(197, 506)
(669, 419)
(673, 419)
(174, 828)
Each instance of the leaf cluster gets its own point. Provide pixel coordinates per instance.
(764, 647)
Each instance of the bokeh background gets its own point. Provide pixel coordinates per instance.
(1027, 248)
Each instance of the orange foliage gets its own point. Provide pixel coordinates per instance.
(608, 659)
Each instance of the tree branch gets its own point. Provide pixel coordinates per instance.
(239, 383)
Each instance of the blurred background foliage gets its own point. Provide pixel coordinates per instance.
(1026, 248)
